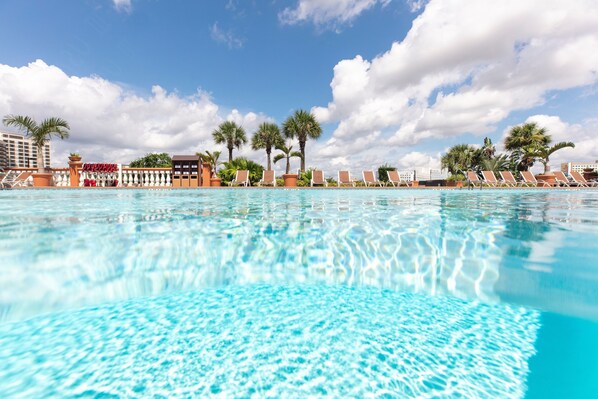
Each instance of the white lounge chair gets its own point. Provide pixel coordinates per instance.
(490, 178)
(561, 179)
(530, 179)
(241, 178)
(14, 179)
(369, 178)
(317, 178)
(581, 181)
(268, 178)
(394, 178)
(509, 180)
(344, 178)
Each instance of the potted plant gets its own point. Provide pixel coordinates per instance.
(39, 133)
(211, 158)
(74, 157)
(290, 179)
(455, 180)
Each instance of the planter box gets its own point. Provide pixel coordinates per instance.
(42, 180)
(550, 179)
(290, 180)
(215, 182)
(415, 183)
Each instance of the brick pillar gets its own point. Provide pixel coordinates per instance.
(74, 169)
(206, 174)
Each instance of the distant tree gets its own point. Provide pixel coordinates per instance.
(488, 149)
(523, 141)
(529, 143)
(267, 137)
(302, 125)
(39, 133)
(152, 160)
(230, 134)
(287, 153)
(461, 158)
(496, 164)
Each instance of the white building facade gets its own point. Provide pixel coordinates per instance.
(18, 151)
(578, 166)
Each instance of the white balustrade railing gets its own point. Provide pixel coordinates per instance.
(61, 177)
(146, 177)
(102, 179)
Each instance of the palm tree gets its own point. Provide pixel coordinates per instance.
(496, 164)
(302, 125)
(544, 153)
(39, 133)
(212, 159)
(523, 140)
(488, 148)
(266, 137)
(460, 158)
(288, 153)
(231, 134)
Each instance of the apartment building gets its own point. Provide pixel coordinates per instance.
(578, 166)
(17, 150)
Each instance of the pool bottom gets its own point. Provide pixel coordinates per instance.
(272, 341)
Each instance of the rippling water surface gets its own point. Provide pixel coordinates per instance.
(276, 293)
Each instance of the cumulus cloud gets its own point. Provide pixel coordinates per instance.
(227, 37)
(463, 69)
(109, 123)
(327, 13)
(123, 5)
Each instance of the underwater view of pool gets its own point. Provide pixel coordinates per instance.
(260, 293)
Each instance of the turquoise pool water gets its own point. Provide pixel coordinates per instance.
(302, 293)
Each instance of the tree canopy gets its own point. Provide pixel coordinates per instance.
(231, 135)
(302, 125)
(152, 160)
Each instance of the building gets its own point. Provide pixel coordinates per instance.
(578, 166)
(17, 150)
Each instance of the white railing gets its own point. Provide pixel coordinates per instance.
(145, 177)
(61, 177)
(102, 179)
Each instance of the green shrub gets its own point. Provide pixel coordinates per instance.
(279, 182)
(227, 174)
(162, 160)
(456, 177)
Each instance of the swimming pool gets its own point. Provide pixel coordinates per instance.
(298, 293)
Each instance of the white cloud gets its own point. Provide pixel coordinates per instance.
(123, 5)
(419, 160)
(109, 123)
(327, 13)
(463, 69)
(227, 37)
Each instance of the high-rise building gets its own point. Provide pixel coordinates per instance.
(19, 151)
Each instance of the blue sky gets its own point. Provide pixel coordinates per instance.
(390, 80)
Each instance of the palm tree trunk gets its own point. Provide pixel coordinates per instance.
(302, 149)
(41, 168)
(288, 165)
(230, 154)
(546, 167)
(268, 155)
